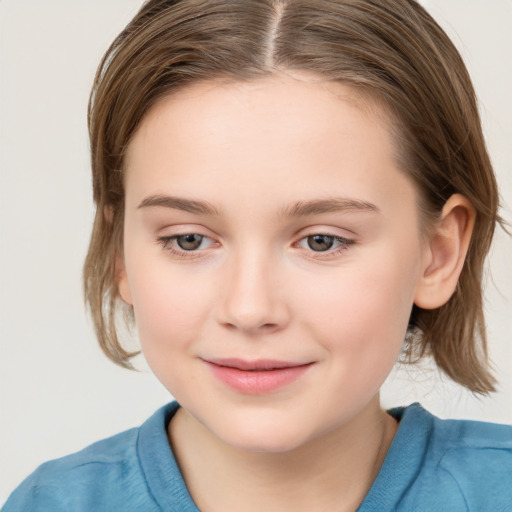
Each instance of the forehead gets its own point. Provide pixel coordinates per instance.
(281, 136)
(298, 94)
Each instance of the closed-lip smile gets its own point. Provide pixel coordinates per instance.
(256, 377)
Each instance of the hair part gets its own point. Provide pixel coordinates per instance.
(389, 50)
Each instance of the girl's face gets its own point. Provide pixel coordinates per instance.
(272, 252)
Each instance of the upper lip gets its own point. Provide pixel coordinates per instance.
(258, 364)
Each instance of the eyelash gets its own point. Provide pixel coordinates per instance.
(344, 244)
(168, 243)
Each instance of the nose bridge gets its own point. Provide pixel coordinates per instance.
(252, 300)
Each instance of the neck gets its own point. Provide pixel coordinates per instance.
(332, 472)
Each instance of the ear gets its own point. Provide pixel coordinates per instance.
(123, 285)
(445, 253)
(121, 277)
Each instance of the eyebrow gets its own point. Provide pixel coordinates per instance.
(179, 203)
(333, 205)
(298, 209)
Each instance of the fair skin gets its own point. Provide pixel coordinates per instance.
(269, 221)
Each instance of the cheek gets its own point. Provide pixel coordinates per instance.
(168, 309)
(362, 313)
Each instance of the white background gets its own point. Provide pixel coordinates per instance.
(57, 391)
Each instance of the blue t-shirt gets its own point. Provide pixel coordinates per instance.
(432, 465)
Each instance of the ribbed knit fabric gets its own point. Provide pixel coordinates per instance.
(432, 465)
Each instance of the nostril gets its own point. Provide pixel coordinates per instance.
(251, 328)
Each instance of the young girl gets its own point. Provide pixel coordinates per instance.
(291, 195)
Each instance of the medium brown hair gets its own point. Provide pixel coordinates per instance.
(390, 49)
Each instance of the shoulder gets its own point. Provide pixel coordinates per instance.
(468, 461)
(103, 476)
(449, 439)
(478, 457)
(448, 434)
(62, 483)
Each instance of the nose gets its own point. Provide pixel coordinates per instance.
(253, 296)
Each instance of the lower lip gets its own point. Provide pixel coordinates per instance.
(258, 382)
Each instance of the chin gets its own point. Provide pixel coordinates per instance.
(263, 435)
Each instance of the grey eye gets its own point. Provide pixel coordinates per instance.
(189, 242)
(320, 243)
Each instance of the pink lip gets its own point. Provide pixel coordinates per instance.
(256, 377)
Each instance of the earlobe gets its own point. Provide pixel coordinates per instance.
(445, 253)
(122, 281)
(121, 278)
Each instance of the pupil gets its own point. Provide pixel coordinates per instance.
(189, 242)
(320, 242)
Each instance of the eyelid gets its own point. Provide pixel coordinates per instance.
(338, 238)
(345, 244)
(168, 244)
(327, 230)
